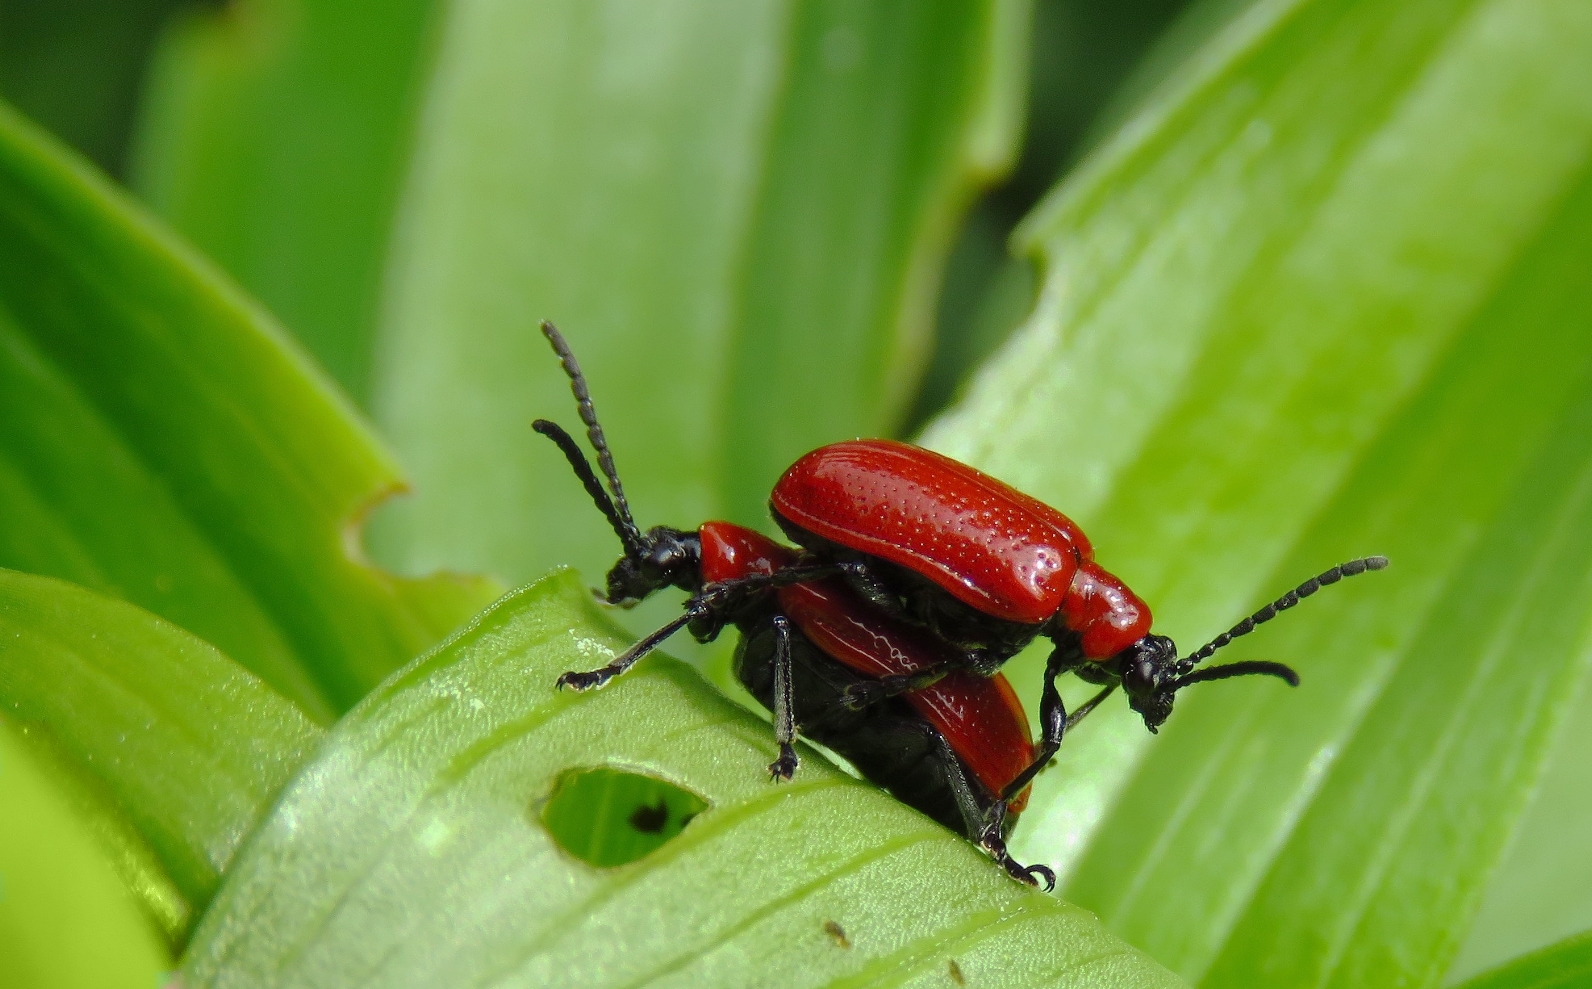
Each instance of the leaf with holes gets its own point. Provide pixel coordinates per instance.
(416, 848)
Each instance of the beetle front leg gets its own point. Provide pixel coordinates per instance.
(1053, 722)
(590, 679)
(784, 767)
(707, 613)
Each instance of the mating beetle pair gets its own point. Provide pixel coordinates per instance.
(882, 635)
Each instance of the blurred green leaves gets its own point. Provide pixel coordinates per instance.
(161, 442)
(174, 752)
(275, 134)
(1565, 965)
(735, 211)
(65, 920)
(411, 851)
(1325, 295)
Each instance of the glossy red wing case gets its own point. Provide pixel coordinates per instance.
(979, 716)
(986, 543)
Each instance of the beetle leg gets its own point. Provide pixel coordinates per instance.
(993, 842)
(870, 692)
(1055, 722)
(868, 586)
(984, 827)
(707, 613)
(784, 767)
(596, 678)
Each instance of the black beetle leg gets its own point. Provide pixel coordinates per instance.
(867, 585)
(708, 612)
(596, 678)
(868, 692)
(994, 843)
(1053, 723)
(784, 767)
(984, 826)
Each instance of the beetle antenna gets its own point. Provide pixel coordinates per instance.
(1350, 569)
(617, 508)
(1237, 670)
(625, 529)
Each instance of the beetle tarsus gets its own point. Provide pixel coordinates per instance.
(782, 769)
(578, 680)
(995, 846)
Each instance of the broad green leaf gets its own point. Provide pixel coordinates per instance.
(411, 851)
(1323, 296)
(172, 750)
(735, 210)
(274, 135)
(160, 441)
(1565, 965)
(1543, 889)
(65, 921)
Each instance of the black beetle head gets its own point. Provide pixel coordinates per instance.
(1149, 671)
(667, 557)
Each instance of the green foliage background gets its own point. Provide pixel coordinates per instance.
(1291, 281)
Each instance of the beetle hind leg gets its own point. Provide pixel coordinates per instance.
(985, 826)
(993, 842)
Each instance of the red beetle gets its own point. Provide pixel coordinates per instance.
(917, 577)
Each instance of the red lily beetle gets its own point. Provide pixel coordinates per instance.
(916, 578)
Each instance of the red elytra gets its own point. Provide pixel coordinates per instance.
(980, 717)
(995, 549)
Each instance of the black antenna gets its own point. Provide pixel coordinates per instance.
(617, 510)
(1266, 614)
(1237, 670)
(625, 529)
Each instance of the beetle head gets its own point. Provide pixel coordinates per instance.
(1149, 677)
(666, 557)
(1151, 673)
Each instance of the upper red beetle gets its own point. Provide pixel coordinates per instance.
(916, 575)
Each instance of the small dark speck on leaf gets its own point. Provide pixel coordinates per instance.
(837, 932)
(956, 972)
(650, 820)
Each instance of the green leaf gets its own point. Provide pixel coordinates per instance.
(172, 751)
(411, 851)
(160, 442)
(1324, 296)
(65, 923)
(1543, 889)
(736, 212)
(275, 135)
(1565, 965)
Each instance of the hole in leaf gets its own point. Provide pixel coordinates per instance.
(607, 817)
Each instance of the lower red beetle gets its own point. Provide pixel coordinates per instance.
(881, 636)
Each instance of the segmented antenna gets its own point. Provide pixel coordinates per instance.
(1266, 614)
(631, 536)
